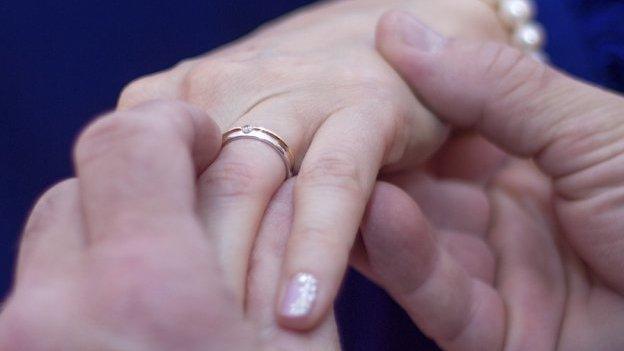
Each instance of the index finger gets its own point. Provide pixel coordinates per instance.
(137, 169)
(516, 102)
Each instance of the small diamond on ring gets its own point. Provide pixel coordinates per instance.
(247, 129)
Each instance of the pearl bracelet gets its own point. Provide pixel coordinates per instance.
(519, 17)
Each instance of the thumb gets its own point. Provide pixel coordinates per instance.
(515, 101)
(574, 132)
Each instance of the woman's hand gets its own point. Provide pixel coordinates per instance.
(316, 80)
(534, 260)
(118, 258)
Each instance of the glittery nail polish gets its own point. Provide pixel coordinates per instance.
(299, 296)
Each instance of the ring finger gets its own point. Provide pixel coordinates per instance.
(236, 189)
(335, 180)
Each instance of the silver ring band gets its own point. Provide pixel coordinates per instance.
(266, 136)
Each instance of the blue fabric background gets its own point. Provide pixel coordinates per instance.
(61, 62)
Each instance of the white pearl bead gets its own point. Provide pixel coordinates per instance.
(529, 36)
(516, 12)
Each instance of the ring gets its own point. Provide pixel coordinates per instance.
(266, 136)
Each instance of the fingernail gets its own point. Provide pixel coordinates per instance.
(418, 35)
(299, 296)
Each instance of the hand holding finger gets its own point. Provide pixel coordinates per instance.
(405, 255)
(572, 130)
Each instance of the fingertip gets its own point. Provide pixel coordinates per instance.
(207, 134)
(306, 295)
(298, 307)
(398, 238)
(389, 40)
(388, 28)
(391, 209)
(407, 44)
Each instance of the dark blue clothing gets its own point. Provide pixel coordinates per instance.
(61, 62)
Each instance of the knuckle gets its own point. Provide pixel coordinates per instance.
(373, 96)
(132, 139)
(514, 78)
(382, 112)
(499, 60)
(172, 109)
(140, 90)
(379, 89)
(170, 116)
(231, 179)
(337, 171)
(205, 76)
(45, 210)
(383, 106)
(102, 136)
(515, 74)
(365, 71)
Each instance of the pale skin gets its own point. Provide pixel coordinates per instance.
(521, 255)
(315, 79)
(518, 255)
(118, 258)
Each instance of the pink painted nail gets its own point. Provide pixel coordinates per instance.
(299, 296)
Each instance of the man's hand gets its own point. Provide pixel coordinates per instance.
(533, 260)
(118, 258)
